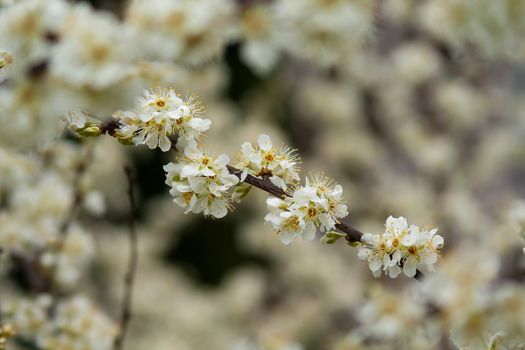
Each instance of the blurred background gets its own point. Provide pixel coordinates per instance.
(414, 106)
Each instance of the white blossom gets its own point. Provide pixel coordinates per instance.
(78, 324)
(316, 205)
(400, 248)
(200, 182)
(185, 30)
(323, 31)
(259, 29)
(161, 113)
(96, 59)
(280, 165)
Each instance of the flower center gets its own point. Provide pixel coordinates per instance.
(187, 196)
(292, 224)
(269, 157)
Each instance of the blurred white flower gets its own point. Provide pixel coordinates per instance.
(78, 324)
(495, 27)
(185, 30)
(25, 29)
(94, 50)
(260, 31)
(323, 31)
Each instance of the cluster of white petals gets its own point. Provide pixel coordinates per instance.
(160, 114)
(200, 182)
(325, 32)
(315, 206)
(180, 30)
(95, 59)
(37, 199)
(495, 27)
(279, 165)
(400, 248)
(77, 323)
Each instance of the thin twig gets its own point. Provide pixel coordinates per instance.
(129, 278)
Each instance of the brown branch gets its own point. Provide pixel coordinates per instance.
(129, 278)
(263, 184)
(352, 234)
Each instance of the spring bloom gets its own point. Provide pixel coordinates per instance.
(280, 165)
(160, 114)
(316, 205)
(401, 248)
(200, 182)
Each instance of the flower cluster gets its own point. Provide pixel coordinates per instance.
(77, 323)
(160, 114)
(280, 165)
(200, 182)
(316, 205)
(495, 27)
(180, 30)
(400, 248)
(38, 196)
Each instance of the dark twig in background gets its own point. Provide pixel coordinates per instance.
(129, 279)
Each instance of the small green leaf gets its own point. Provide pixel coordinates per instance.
(241, 191)
(331, 237)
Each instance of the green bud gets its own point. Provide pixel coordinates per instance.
(89, 130)
(123, 139)
(331, 237)
(241, 191)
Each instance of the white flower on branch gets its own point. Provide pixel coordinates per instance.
(280, 165)
(160, 114)
(400, 248)
(200, 182)
(316, 205)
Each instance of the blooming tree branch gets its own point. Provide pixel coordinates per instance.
(205, 183)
